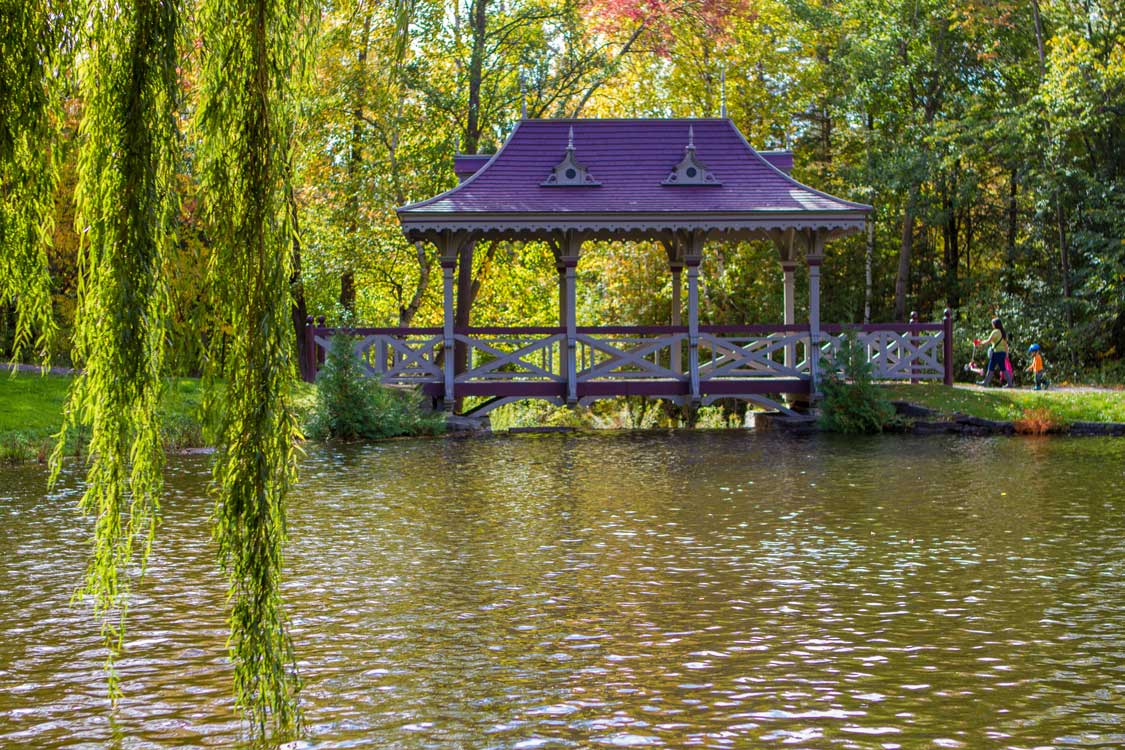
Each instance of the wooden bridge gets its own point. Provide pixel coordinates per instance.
(681, 183)
(753, 363)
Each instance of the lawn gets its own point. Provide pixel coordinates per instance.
(1065, 404)
(31, 409)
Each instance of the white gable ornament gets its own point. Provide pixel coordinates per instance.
(690, 170)
(568, 172)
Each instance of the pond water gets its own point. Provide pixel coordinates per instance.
(718, 590)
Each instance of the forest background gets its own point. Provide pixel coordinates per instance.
(989, 135)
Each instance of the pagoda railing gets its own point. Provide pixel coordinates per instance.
(635, 360)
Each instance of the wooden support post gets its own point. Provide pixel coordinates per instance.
(789, 309)
(569, 250)
(947, 344)
(677, 364)
(813, 259)
(692, 259)
(448, 266)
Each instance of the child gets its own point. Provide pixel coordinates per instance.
(997, 343)
(1036, 367)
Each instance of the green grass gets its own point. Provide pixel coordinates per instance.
(31, 408)
(1066, 405)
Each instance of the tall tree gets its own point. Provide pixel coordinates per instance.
(253, 56)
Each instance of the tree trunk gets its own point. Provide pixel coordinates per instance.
(902, 280)
(868, 258)
(1013, 224)
(952, 254)
(425, 265)
(478, 22)
(300, 310)
(355, 162)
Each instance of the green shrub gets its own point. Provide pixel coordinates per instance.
(350, 405)
(851, 402)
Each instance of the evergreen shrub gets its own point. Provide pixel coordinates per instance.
(852, 403)
(352, 406)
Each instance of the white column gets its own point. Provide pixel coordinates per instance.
(570, 246)
(814, 319)
(570, 284)
(447, 269)
(693, 326)
(677, 306)
(789, 310)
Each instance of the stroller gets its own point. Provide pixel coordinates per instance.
(978, 371)
(972, 366)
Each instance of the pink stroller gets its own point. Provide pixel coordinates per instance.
(973, 367)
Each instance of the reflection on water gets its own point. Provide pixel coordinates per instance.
(676, 590)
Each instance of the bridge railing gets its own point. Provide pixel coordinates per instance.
(526, 354)
(535, 358)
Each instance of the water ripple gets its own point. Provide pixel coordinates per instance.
(633, 590)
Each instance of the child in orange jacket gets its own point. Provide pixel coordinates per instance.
(1036, 368)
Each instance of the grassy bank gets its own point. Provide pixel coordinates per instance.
(31, 409)
(1064, 405)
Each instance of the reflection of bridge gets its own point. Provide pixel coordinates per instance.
(745, 362)
(681, 184)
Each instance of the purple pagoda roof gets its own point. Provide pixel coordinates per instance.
(631, 186)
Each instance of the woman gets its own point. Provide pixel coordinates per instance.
(997, 343)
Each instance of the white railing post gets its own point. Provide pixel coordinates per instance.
(789, 310)
(676, 358)
(813, 262)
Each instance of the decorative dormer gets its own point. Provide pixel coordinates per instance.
(690, 170)
(568, 172)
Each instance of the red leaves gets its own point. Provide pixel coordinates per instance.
(661, 18)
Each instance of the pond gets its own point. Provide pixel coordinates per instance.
(725, 589)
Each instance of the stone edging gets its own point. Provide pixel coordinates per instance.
(930, 422)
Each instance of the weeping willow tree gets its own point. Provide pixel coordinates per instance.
(125, 214)
(252, 58)
(32, 39)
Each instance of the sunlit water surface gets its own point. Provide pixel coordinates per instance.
(675, 590)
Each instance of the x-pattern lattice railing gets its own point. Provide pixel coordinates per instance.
(401, 357)
(628, 357)
(751, 356)
(895, 355)
(515, 357)
(417, 356)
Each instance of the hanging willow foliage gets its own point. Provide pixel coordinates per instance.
(32, 40)
(251, 49)
(125, 208)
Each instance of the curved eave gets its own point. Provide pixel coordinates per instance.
(637, 226)
(866, 209)
(460, 186)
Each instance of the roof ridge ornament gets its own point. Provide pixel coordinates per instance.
(690, 170)
(568, 172)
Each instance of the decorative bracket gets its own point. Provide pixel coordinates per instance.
(568, 172)
(690, 170)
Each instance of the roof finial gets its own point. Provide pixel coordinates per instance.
(723, 91)
(570, 139)
(691, 137)
(523, 95)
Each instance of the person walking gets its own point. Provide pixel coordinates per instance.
(1037, 368)
(997, 343)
